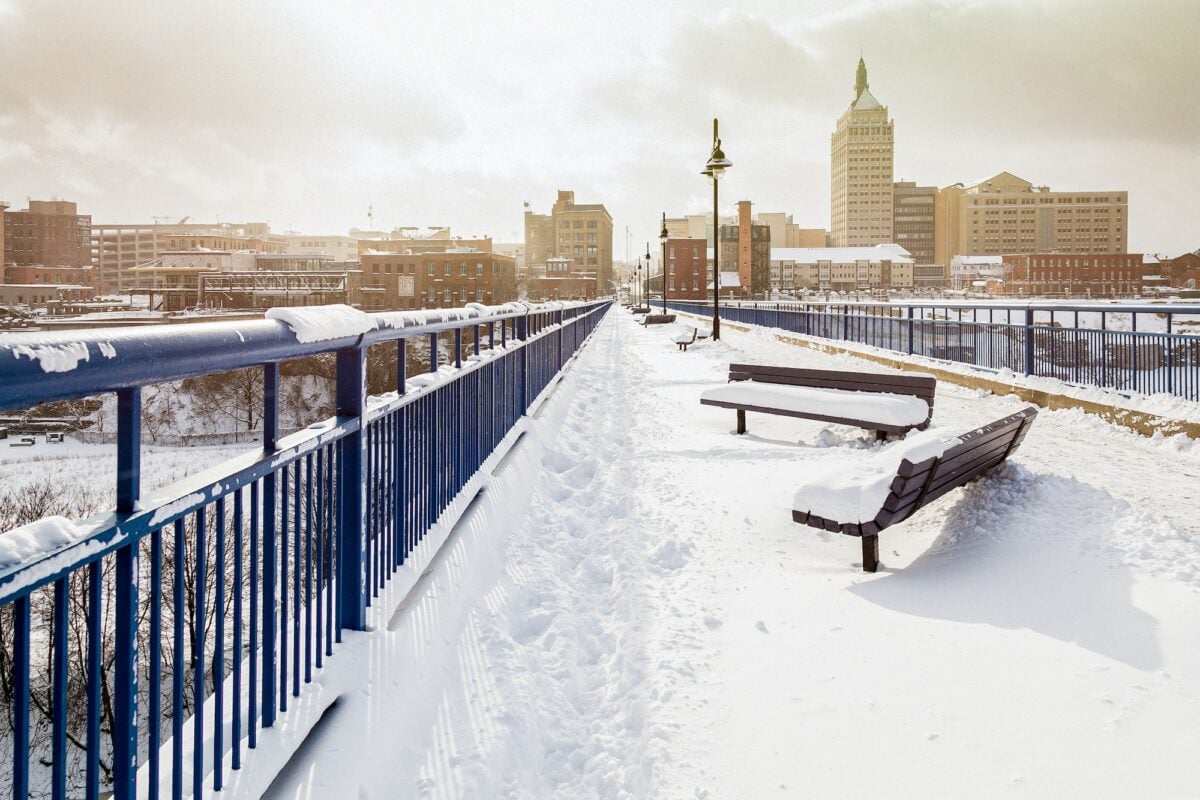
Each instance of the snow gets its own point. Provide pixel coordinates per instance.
(37, 539)
(628, 610)
(54, 357)
(876, 407)
(855, 493)
(322, 323)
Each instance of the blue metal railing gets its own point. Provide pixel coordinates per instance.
(1027, 339)
(216, 599)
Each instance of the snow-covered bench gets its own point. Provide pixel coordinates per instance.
(894, 483)
(690, 335)
(886, 404)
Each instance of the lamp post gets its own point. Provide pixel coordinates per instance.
(647, 275)
(662, 237)
(639, 282)
(714, 169)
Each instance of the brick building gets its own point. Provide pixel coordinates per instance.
(746, 246)
(397, 281)
(579, 231)
(1071, 275)
(559, 279)
(51, 276)
(687, 269)
(50, 233)
(1181, 272)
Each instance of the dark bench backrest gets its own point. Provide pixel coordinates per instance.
(977, 452)
(921, 386)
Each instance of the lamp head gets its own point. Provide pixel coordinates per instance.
(663, 233)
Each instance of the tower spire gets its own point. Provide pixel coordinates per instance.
(860, 79)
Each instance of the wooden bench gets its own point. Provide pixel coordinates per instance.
(887, 417)
(968, 457)
(684, 339)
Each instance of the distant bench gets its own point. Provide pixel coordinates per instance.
(928, 468)
(886, 404)
(690, 336)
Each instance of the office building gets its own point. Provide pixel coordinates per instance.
(579, 231)
(49, 233)
(861, 161)
(1006, 214)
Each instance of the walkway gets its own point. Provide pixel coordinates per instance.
(640, 618)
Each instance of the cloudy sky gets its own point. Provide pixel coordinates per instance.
(304, 113)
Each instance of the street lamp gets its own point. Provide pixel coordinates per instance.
(647, 275)
(639, 281)
(662, 237)
(714, 169)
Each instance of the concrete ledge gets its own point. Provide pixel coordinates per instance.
(1138, 421)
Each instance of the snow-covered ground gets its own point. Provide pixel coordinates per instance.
(629, 611)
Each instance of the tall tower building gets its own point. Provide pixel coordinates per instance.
(861, 169)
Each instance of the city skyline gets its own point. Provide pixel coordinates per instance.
(310, 116)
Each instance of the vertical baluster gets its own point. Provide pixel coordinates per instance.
(284, 586)
(219, 652)
(58, 704)
(154, 667)
(179, 667)
(254, 644)
(308, 565)
(330, 523)
(21, 631)
(238, 555)
(297, 570)
(198, 655)
(92, 756)
(321, 531)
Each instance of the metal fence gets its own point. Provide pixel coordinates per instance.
(1130, 348)
(218, 598)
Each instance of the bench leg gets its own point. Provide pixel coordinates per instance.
(741, 420)
(881, 436)
(870, 548)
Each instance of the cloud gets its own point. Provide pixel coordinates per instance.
(302, 113)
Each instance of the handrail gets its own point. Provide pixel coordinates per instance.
(226, 590)
(1012, 338)
(40, 367)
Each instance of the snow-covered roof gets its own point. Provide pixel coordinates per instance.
(843, 255)
(983, 261)
(729, 280)
(866, 102)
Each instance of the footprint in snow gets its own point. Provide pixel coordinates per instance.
(762, 626)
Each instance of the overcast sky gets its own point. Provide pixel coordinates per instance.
(304, 113)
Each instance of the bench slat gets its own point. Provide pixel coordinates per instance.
(914, 381)
(857, 423)
(916, 485)
(845, 386)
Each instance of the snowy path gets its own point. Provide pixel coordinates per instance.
(630, 612)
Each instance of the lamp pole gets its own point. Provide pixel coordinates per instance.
(639, 282)
(647, 275)
(714, 169)
(662, 237)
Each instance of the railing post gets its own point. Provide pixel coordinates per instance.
(129, 449)
(270, 406)
(352, 454)
(522, 334)
(910, 330)
(1029, 350)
